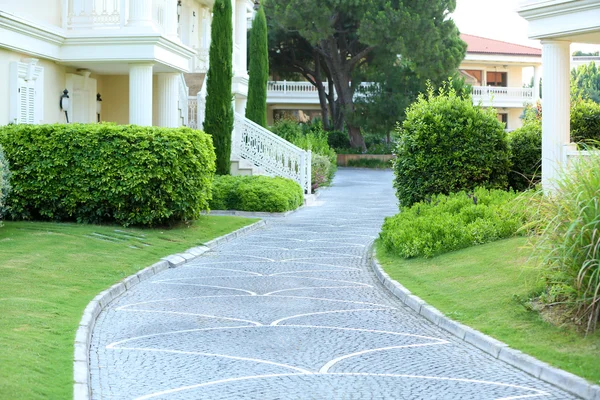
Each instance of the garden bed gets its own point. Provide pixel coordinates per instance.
(343, 160)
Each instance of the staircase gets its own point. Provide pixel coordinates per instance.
(254, 149)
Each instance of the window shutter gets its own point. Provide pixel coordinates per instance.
(26, 88)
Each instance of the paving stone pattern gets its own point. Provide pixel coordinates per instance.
(292, 311)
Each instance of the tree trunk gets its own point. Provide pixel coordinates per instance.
(321, 91)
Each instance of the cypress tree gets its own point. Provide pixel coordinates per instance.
(256, 109)
(219, 110)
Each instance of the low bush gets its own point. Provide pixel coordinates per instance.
(369, 163)
(585, 122)
(96, 173)
(308, 137)
(567, 243)
(448, 145)
(338, 139)
(525, 146)
(4, 182)
(256, 193)
(445, 223)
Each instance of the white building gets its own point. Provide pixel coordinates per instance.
(558, 23)
(132, 52)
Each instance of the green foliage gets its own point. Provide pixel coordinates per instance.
(451, 222)
(256, 109)
(369, 163)
(585, 82)
(219, 111)
(256, 193)
(338, 140)
(585, 122)
(447, 145)
(308, 137)
(98, 173)
(567, 224)
(525, 146)
(4, 182)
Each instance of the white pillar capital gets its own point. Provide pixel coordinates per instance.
(556, 60)
(168, 100)
(140, 94)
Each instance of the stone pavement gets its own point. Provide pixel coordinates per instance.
(292, 311)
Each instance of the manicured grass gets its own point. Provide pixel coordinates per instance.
(484, 287)
(49, 272)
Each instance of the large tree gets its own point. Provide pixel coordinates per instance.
(219, 110)
(256, 109)
(348, 33)
(585, 82)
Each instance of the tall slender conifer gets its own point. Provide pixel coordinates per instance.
(256, 109)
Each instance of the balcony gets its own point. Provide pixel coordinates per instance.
(495, 96)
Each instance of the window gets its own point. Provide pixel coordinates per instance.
(496, 79)
(474, 74)
(504, 119)
(26, 92)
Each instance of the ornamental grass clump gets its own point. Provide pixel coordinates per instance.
(568, 242)
(444, 223)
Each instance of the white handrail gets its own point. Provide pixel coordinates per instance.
(275, 155)
(183, 100)
(503, 92)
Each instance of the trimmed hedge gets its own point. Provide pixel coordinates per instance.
(447, 145)
(585, 122)
(96, 173)
(256, 193)
(4, 182)
(453, 222)
(525, 146)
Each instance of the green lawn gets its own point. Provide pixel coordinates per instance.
(481, 287)
(48, 274)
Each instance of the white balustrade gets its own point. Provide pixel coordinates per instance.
(503, 93)
(111, 14)
(270, 152)
(184, 105)
(201, 61)
(192, 120)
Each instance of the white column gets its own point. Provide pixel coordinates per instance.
(171, 19)
(241, 28)
(140, 94)
(240, 104)
(168, 99)
(140, 13)
(556, 59)
(536, 83)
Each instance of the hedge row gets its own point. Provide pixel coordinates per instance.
(108, 173)
(4, 182)
(256, 193)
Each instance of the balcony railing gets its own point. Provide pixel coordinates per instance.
(499, 96)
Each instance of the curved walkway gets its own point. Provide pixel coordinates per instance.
(292, 311)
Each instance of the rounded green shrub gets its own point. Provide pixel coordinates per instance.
(585, 122)
(447, 145)
(4, 182)
(96, 173)
(256, 193)
(451, 222)
(525, 146)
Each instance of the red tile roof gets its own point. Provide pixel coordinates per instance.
(479, 45)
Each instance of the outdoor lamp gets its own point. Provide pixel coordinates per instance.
(98, 105)
(64, 103)
(178, 10)
(256, 5)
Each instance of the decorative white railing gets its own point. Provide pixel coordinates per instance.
(183, 101)
(497, 93)
(201, 106)
(293, 87)
(270, 152)
(105, 14)
(192, 112)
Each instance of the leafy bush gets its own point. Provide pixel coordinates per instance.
(525, 146)
(308, 137)
(103, 173)
(567, 243)
(447, 145)
(4, 182)
(338, 140)
(369, 163)
(256, 193)
(585, 121)
(320, 167)
(451, 222)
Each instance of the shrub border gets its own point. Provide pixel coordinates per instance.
(497, 349)
(308, 200)
(81, 364)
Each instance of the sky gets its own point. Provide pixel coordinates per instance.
(497, 19)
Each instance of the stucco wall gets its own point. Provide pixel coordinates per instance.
(115, 98)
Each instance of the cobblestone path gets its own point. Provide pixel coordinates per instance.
(292, 311)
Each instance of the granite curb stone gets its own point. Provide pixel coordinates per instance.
(497, 349)
(81, 366)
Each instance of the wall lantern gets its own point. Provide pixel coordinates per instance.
(98, 105)
(178, 10)
(256, 5)
(64, 103)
